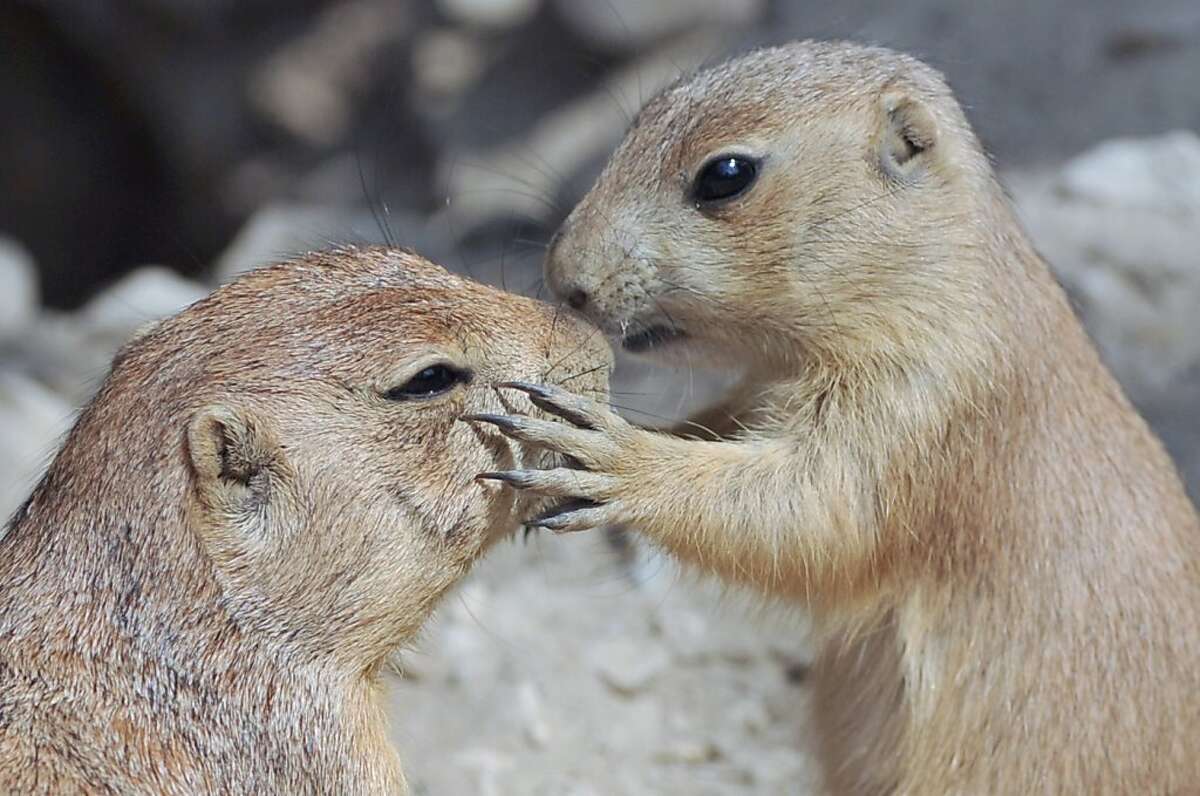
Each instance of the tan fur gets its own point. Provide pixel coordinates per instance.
(201, 594)
(999, 552)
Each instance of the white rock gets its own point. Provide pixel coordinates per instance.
(782, 766)
(490, 13)
(750, 715)
(445, 62)
(148, 294)
(489, 766)
(18, 288)
(32, 421)
(1134, 269)
(1159, 174)
(688, 750)
(687, 632)
(533, 715)
(628, 666)
(626, 25)
(57, 350)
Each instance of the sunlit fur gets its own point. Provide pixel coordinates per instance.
(926, 450)
(241, 529)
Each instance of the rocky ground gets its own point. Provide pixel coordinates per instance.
(564, 665)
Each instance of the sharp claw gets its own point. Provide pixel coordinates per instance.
(548, 400)
(506, 477)
(503, 421)
(554, 518)
(566, 413)
(518, 479)
(526, 387)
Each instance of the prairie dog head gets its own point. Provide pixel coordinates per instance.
(313, 410)
(817, 192)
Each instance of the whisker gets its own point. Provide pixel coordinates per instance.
(587, 372)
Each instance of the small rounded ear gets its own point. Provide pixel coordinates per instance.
(234, 458)
(910, 132)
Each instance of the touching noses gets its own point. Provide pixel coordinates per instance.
(562, 275)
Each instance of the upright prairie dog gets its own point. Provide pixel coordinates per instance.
(265, 500)
(925, 450)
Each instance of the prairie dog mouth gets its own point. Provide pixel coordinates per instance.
(651, 337)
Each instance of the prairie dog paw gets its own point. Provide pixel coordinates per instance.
(590, 434)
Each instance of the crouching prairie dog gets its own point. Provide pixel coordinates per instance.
(266, 498)
(925, 449)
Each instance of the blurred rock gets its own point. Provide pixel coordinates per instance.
(628, 666)
(750, 715)
(1132, 265)
(783, 768)
(533, 715)
(624, 25)
(490, 13)
(1158, 174)
(32, 419)
(445, 62)
(19, 297)
(312, 86)
(489, 767)
(522, 179)
(688, 750)
(58, 351)
(280, 231)
(148, 294)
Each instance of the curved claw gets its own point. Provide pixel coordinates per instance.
(505, 422)
(574, 515)
(588, 448)
(560, 482)
(580, 412)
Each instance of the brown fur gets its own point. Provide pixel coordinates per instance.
(239, 531)
(997, 549)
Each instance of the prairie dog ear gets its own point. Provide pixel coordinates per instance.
(234, 457)
(910, 133)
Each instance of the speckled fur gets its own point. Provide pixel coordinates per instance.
(166, 630)
(926, 450)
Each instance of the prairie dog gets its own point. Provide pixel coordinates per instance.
(928, 453)
(265, 500)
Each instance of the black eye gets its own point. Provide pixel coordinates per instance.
(433, 380)
(724, 177)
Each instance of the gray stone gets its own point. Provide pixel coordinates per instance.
(1160, 174)
(490, 13)
(1133, 268)
(32, 420)
(627, 666)
(148, 294)
(18, 288)
(534, 720)
(688, 750)
(58, 351)
(625, 25)
(280, 231)
(521, 179)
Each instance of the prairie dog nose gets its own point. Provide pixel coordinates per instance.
(561, 282)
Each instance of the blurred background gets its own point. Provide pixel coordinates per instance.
(154, 148)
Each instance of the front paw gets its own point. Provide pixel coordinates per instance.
(594, 436)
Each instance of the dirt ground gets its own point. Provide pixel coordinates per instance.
(558, 670)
